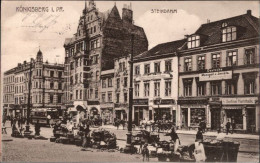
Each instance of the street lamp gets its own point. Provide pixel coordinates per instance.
(27, 131)
(129, 146)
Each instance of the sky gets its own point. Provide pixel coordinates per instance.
(23, 33)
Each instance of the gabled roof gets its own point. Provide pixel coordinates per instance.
(247, 27)
(161, 49)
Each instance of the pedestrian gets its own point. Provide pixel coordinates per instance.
(202, 126)
(37, 128)
(174, 136)
(233, 126)
(48, 119)
(227, 127)
(199, 135)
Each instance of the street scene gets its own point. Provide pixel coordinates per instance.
(94, 81)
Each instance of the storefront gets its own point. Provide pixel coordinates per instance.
(164, 109)
(107, 112)
(121, 111)
(192, 112)
(141, 110)
(242, 111)
(215, 118)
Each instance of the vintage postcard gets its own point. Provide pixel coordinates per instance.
(129, 81)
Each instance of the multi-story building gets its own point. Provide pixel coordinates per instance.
(107, 96)
(101, 37)
(46, 86)
(156, 83)
(219, 75)
(121, 87)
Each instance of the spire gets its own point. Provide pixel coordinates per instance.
(85, 9)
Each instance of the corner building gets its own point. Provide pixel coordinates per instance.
(100, 37)
(219, 75)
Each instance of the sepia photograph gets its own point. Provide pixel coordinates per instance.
(129, 81)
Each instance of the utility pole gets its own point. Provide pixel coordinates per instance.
(27, 131)
(129, 147)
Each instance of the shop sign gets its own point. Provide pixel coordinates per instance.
(164, 102)
(193, 101)
(117, 105)
(244, 101)
(140, 101)
(215, 75)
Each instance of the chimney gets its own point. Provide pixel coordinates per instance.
(127, 14)
(249, 12)
(24, 62)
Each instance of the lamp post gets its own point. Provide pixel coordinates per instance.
(27, 131)
(129, 146)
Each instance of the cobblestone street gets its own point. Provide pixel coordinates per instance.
(25, 150)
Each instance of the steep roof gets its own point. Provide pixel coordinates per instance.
(161, 49)
(247, 27)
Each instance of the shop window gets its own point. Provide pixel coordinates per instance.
(110, 84)
(201, 88)
(109, 96)
(231, 87)
(232, 58)
(103, 97)
(157, 67)
(168, 65)
(193, 41)
(137, 70)
(187, 64)
(137, 89)
(156, 88)
(197, 116)
(147, 69)
(249, 56)
(235, 116)
(215, 60)
(162, 114)
(125, 97)
(187, 84)
(146, 89)
(229, 34)
(201, 62)
(215, 88)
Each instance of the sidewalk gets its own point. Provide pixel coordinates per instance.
(193, 132)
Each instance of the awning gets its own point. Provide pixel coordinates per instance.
(232, 107)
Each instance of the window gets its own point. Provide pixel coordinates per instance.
(187, 64)
(91, 93)
(94, 59)
(137, 70)
(96, 93)
(201, 62)
(249, 83)
(125, 97)
(124, 67)
(147, 69)
(168, 65)
(59, 99)
(77, 92)
(52, 73)
(103, 97)
(215, 88)
(229, 34)
(250, 56)
(187, 84)
(193, 41)
(51, 98)
(110, 84)
(104, 83)
(215, 60)
(71, 80)
(60, 86)
(231, 87)
(146, 89)
(232, 58)
(201, 88)
(125, 81)
(117, 97)
(76, 78)
(71, 66)
(97, 75)
(120, 67)
(80, 94)
(137, 89)
(157, 88)
(109, 95)
(118, 83)
(60, 74)
(157, 67)
(51, 85)
(94, 43)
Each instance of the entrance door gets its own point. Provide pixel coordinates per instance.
(215, 119)
(185, 118)
(136, 118)
(138, 115)
(251, 120)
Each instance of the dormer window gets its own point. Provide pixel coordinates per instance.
(229, 34)
(193, 41)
